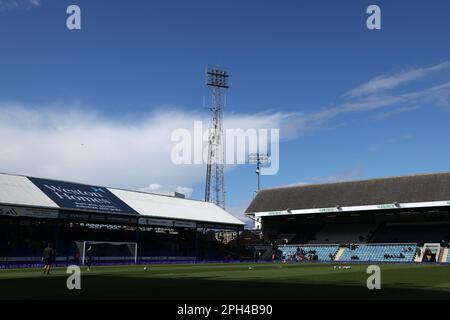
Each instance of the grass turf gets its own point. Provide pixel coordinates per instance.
(230, 281)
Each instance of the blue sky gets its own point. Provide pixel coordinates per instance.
(350, 103)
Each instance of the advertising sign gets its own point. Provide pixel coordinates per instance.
(185, 224)
(82, 197)
(28, 212)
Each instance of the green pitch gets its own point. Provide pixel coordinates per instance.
(230, 281)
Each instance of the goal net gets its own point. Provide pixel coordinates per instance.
(106, 251)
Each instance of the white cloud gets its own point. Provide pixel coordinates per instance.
(372, 96)
(436, 95)
(395, 112)
(64, 142)
(8, 5)
(380, 145)
(391, 81)
(67, 142)
(18, 4)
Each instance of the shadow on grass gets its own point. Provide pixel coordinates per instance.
(117, 287)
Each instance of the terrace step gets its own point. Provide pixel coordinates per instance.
(444, 255)
(339, 253)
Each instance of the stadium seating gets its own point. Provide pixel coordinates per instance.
(413, 232)
(285, 237)
(298, 234)
(344, 233)
(323, 252)
(380, 253)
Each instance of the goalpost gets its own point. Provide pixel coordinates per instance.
(101, 250)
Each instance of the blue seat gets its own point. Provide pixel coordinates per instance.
(378, 252)
(322, 252)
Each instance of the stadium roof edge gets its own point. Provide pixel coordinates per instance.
(144, 203)
(299, 185)
(87, 184)
(405, 189)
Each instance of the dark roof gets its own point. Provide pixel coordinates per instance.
(416, 188)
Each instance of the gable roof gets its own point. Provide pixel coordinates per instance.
(406, 189)
(18, 190)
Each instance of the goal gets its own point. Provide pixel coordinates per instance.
(107, 251)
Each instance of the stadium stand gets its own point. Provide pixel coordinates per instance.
(413, 232)
(33, 214)
(344, 233)
(380, 253)
(286, 238)
(304, 234)
(320, 252)
(405, 189)
(389, 218)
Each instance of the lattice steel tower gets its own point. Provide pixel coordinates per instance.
(217, 79)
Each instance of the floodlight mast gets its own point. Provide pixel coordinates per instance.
(217, 79)
(258, 159)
